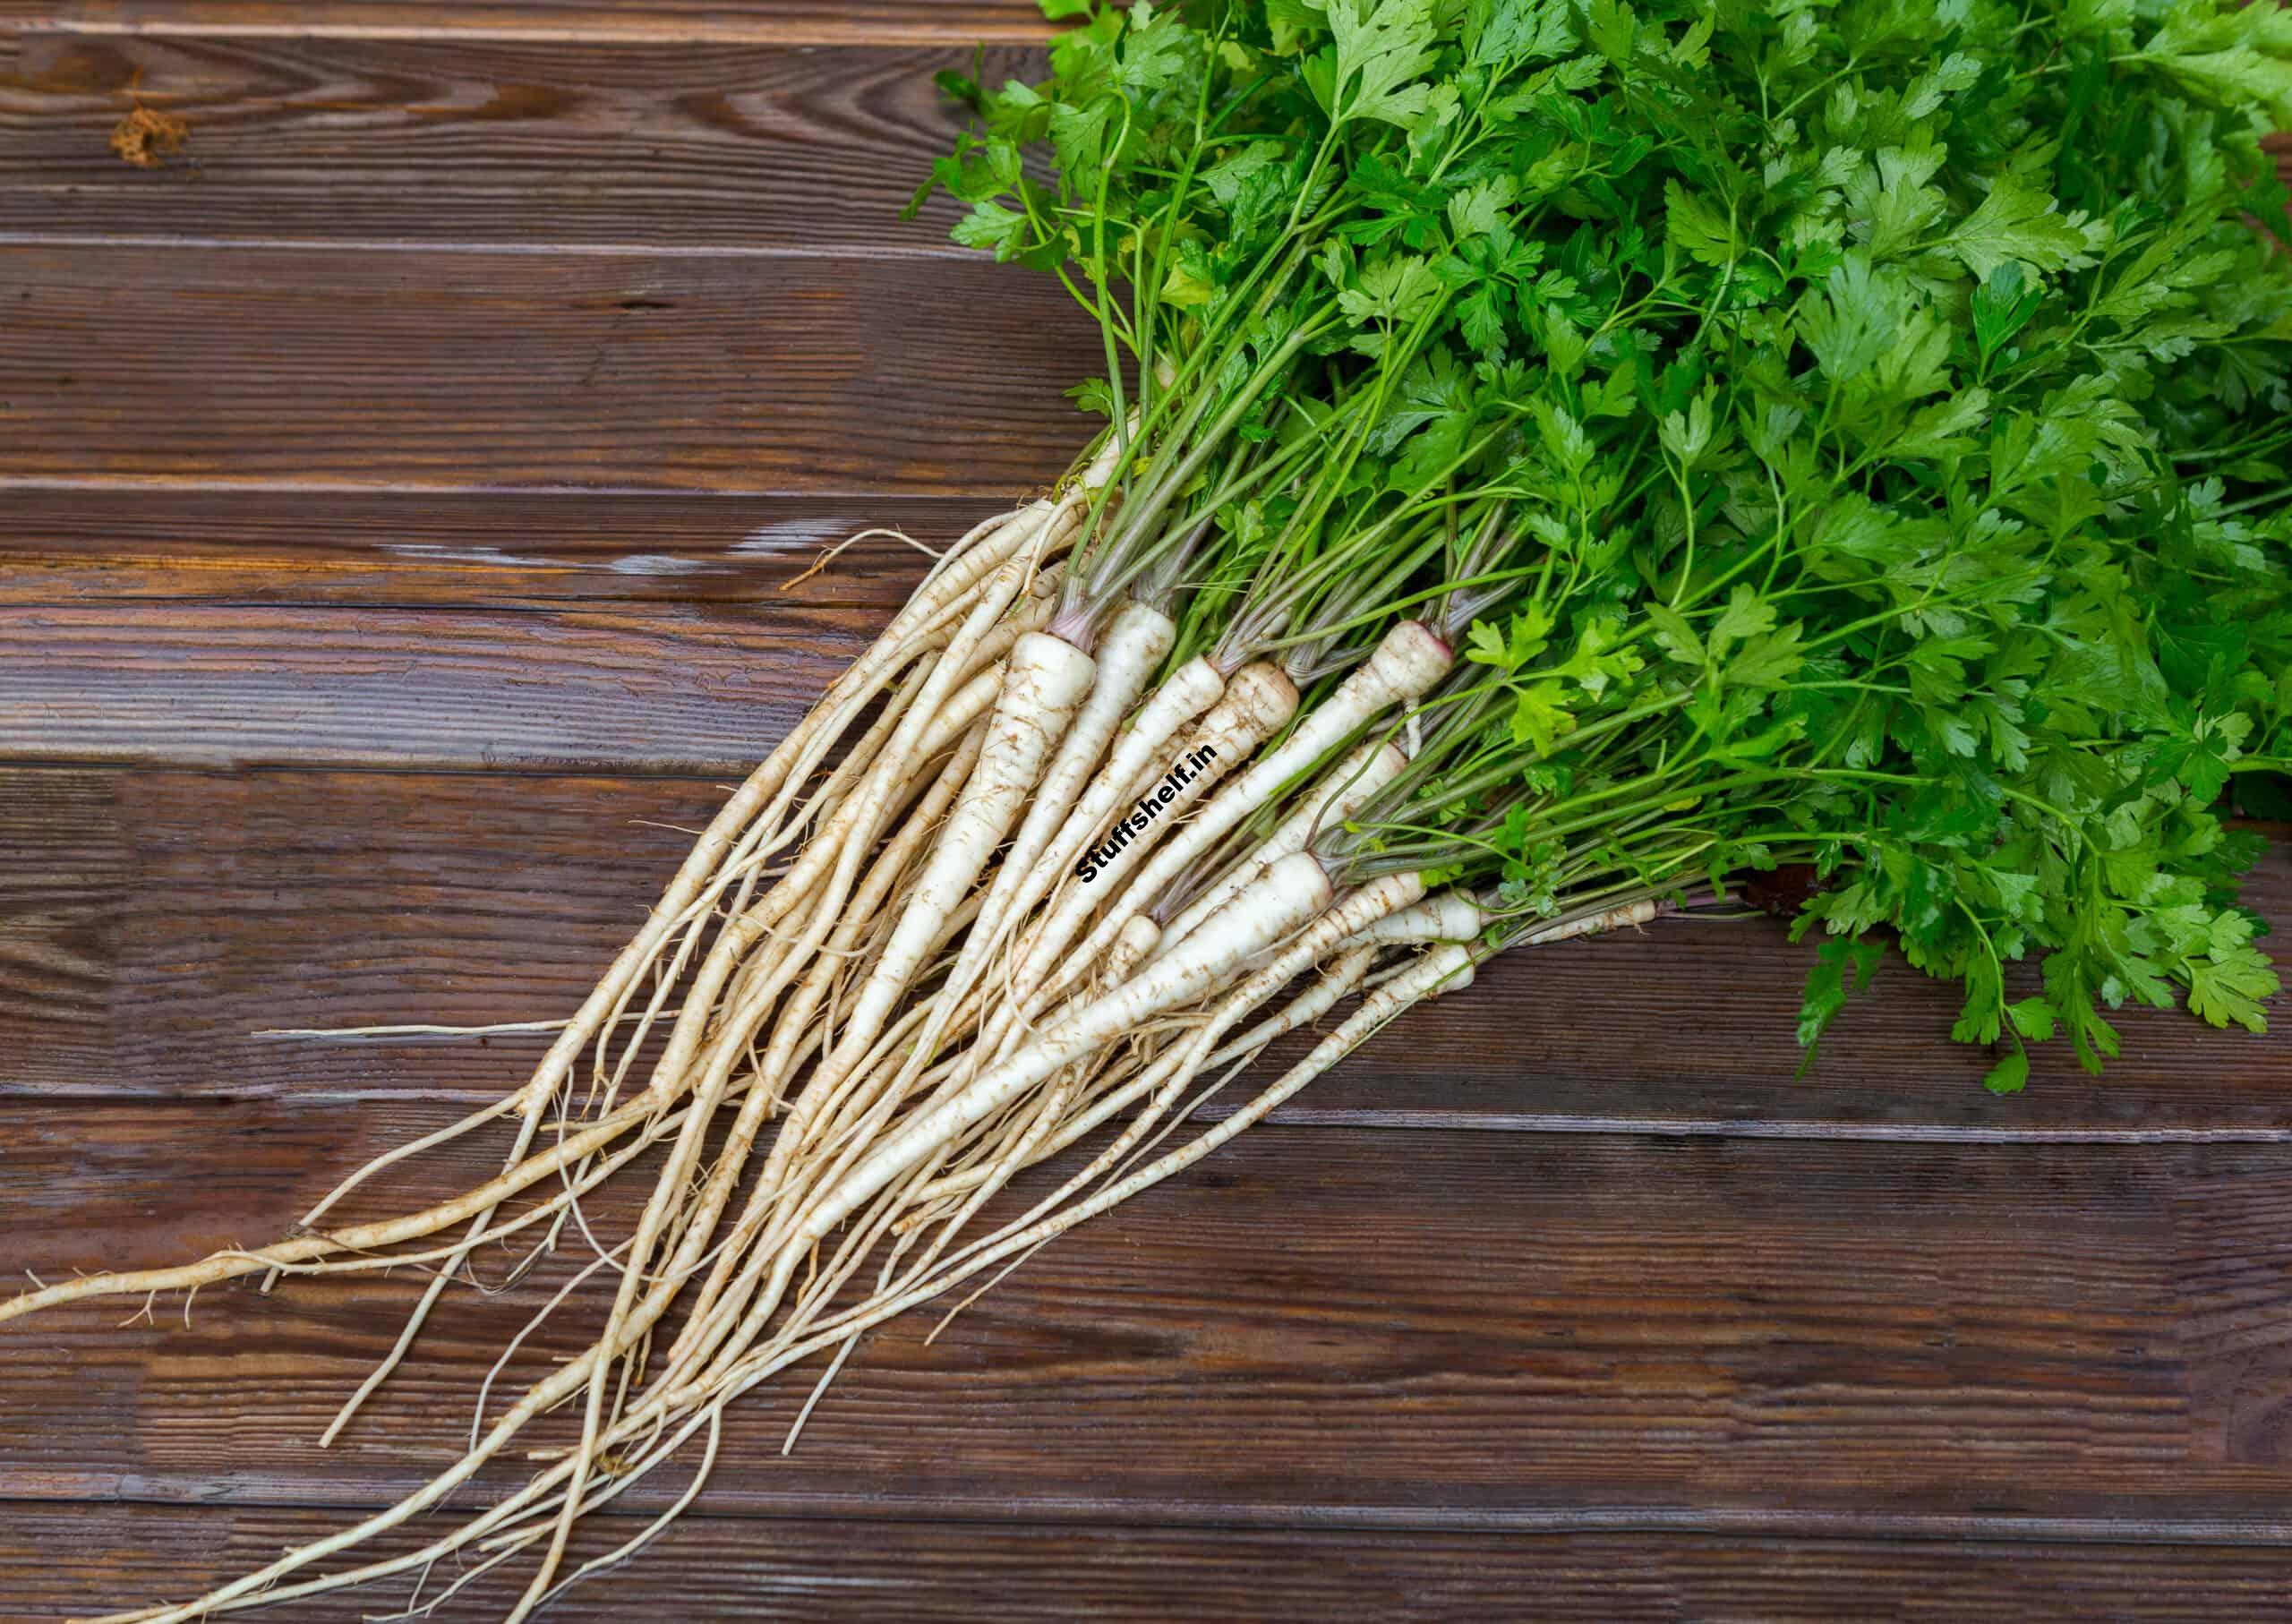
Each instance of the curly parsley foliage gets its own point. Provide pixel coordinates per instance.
(1880, 411)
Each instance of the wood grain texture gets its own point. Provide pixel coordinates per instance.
(62, 870)
(413, 140)
(725, 22)
(460, 403)
(156, 920)
(455, 550)
(452, 370)
(646, 688)
(1322, 1327)
(549, 629)
(466, 142)
(954, 1573)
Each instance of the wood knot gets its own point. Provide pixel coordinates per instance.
(147, 137)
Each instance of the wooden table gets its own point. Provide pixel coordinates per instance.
(395, 488)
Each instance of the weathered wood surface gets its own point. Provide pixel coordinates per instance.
(463, 551)
(937, 1573)
(659, 687)
(396, 497)
(951, 24)
(152, 922)
(521, 143)
(523, 140)
(956, 1573)
(1322, 1326)
(455, 370)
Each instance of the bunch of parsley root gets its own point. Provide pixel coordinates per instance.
(1553, 460)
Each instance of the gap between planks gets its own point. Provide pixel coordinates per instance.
(1020, 31)
(1557, 1124)
(557, 608)
(201, 484)
(252, 767)
(659, 251)
(2004, 1529)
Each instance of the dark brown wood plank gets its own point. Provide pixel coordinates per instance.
(728, 22)
(457, 549)
(452, 370)
(62, 871)
(2239, 1339)
(665, 633)
(954, 1573)
(1328, 1327)
(156, 920)
(522, 141)
(646, 687)
(676, 147)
